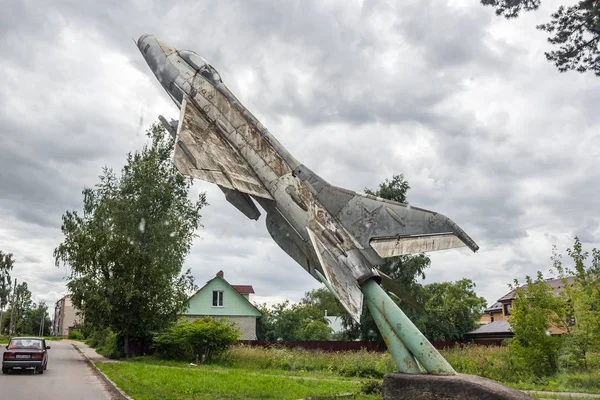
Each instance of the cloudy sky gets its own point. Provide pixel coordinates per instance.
(463, 103)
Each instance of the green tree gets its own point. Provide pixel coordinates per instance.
(21, 305)
(322, 300)
(574, 31)
(534, 310)
(403, 269)
(583, 300)
(6, 265)
(314, 330)
(35, 318)
(125, 253)
(286, 321)
(452, 309)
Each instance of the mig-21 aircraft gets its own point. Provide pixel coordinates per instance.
(337, 235)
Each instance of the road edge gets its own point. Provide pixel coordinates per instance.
(113, 386)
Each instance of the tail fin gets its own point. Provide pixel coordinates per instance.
(394, 229)
(390, 228)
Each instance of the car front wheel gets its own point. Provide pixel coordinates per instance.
(5, 370)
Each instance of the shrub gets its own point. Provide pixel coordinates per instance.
(111, 346)
(371, 387)
(97, 337)
(75, 334)
(205, 339)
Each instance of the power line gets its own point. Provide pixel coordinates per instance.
(25, 279)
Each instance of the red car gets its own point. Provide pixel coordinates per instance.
(26, 352)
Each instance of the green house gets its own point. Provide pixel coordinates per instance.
(219, 299)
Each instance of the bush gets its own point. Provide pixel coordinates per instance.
(97, 337)
(205, 339)
(371, 387)
(111, 346)
(75, 334)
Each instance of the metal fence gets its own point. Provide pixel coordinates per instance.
(355, 345)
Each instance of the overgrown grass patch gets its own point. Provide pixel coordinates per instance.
(493, 362)
(145, 381)
(488, 361)
(564, 382)
(363, 364)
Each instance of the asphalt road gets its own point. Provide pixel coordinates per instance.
(68, 377)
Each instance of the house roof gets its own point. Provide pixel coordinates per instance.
(219, 275)
(492, 327)
(494, 307)
(556, 284)
(243, 289)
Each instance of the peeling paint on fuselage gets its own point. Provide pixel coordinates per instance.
(271, 162)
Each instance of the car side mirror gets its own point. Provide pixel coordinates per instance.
(47, 347)
(6, 347)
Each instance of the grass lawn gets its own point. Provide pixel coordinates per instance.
(146, 380)
(252, 372)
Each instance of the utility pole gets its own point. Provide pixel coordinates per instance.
(12, 310)
(42, 323)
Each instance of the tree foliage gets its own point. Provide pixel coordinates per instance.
(582, 302)
(28, 316)
(574, 31)
(34, 318)
(126, 251)
(539, 310)
(6, 265)
(452, 309)
(285, 321)
(322, 300)
(532, 315)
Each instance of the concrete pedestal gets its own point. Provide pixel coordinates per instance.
(461, 386)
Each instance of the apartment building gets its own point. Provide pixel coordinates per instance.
(65, 316)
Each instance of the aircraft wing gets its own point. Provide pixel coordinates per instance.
(339, 277)
(202, 152)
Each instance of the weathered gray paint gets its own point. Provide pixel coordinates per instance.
(331, 232)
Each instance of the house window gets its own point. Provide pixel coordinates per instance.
(217, 298)
(507, 309)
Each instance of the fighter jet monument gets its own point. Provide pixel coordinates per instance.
(337, 235)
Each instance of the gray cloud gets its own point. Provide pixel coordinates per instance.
(463, 103)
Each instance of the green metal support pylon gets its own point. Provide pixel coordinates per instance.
(403, 339)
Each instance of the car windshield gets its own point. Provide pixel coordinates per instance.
(34, 344)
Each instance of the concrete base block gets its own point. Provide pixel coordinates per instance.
(461, 386)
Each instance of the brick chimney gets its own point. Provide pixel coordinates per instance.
(220, 274)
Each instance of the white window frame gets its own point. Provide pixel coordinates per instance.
(222, 295)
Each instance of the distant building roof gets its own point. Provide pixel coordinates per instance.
(494, 307)
(243, 289)
(492, 328)
(556, 284)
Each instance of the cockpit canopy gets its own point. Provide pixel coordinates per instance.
(200, 65)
